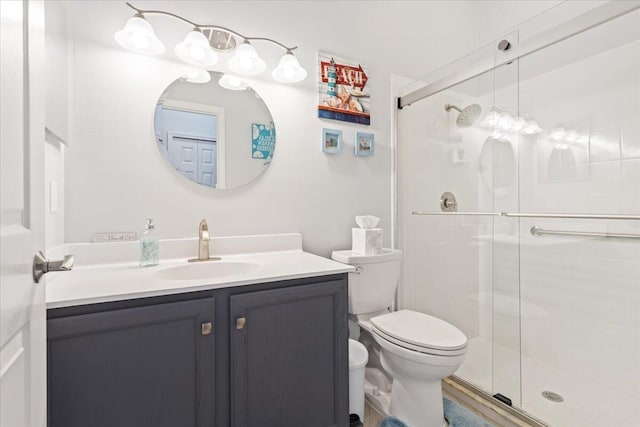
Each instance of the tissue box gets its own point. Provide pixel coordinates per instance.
(366, 241)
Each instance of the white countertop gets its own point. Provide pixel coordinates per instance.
(102, 273)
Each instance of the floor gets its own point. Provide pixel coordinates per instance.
(488, 411)
(587, 403)
(372, 418)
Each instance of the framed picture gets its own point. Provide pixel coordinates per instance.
(331, 141)
(344, 91)
(263, 140)
(364, 144)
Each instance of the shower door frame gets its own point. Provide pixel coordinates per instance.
(577, 25)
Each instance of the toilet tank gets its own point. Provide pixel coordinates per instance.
(372, 287)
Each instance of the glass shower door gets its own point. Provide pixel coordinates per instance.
(580, 295)
(454, 267)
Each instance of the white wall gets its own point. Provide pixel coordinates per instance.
(115, 175)
(59, 91)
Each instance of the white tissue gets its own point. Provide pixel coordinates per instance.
(367, 221)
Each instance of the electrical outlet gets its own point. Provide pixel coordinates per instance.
(126, 236)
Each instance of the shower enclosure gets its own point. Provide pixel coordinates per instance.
(537, 259)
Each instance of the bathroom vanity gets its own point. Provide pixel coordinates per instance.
(262, 346)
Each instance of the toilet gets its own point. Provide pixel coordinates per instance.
(415, 350)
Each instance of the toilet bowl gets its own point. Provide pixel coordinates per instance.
(415, 349)
(418, 351)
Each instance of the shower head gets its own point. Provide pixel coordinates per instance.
(467, 116)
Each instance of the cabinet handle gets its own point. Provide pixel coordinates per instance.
(240, 322)
(207, 328)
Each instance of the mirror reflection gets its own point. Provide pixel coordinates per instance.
(221, 137)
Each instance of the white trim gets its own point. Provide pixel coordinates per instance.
(11, 352)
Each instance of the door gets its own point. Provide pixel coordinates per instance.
(289, 357)
(150, 366)
(22, 309)
(194, 157)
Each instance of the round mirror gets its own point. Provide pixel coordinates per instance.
(498, 165)
(219, 133)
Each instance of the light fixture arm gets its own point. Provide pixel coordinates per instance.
(210, 27)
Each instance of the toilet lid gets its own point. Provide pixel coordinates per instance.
(422, 330)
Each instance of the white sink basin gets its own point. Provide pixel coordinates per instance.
(206, 270)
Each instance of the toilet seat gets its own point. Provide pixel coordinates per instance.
(420, 332)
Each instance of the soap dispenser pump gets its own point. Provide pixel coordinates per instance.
(149, 245)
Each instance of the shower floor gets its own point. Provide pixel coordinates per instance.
(587, 402)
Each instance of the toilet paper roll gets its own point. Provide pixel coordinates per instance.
(366, 241)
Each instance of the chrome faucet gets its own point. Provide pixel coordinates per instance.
(203, 241)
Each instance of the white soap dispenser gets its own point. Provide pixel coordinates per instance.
(149, 245)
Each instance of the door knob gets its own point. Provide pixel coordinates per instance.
(42, 265)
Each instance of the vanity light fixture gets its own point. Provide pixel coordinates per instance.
(196, 76)
(289, 69)
(568, 135)
(246, 60)
(195, 49)
(504, 121)
(201, 44)
(230, 82)
(138, 36)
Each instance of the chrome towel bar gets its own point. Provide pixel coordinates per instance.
(534, 215)
(537, 231)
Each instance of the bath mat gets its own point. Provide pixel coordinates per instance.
(392, 422)
(459, 416)
(456, 415)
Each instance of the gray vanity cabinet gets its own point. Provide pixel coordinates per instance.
(287, 357)
(149, 366)
(276, 355)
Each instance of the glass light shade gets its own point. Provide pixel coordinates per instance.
(289, 70)
(230, 82)
(246, 60)
(197, 76)
(491, 119)
(138, 36)
(531, 128)
(557, 134)
(519, 123)
(195, 49)
(572, 135)
(505, 121)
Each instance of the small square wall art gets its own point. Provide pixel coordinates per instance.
(364, 144)
(331, 141)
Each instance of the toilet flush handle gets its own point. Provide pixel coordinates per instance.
(359, 270)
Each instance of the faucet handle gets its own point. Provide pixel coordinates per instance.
(203, 225)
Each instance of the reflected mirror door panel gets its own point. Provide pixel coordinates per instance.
(207, 163)
(194, 159)
(234, 129)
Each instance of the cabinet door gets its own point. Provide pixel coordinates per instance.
(147, 366)
(289, 357)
